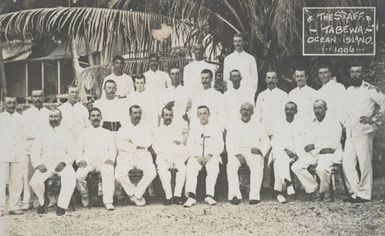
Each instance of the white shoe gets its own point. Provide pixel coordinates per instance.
(281, 199)
(290, 190)
(138, 201)
(25, 207)
(85, 200)
(209, 200)
(109, 207)
(190, 202)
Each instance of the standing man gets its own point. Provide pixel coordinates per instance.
(124, 84)
(322, 150)
(35, 119)
(209, 97)
(205, 144)
(192, 71)
(243, 62)
(270, 104)
(156, 79)
(12, 158)
(303, 96)
(178, 95)
(360, 130)
(171, 154)
(111, 106)
(74, 116)
(96, 151)
(235, 97)
(332, 92)
(285, 145)
(247, 143)
(52, 154)
(133, 142)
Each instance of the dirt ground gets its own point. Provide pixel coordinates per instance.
(267, 218)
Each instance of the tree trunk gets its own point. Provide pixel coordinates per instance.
(3, 80)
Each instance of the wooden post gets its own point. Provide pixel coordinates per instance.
(3, 80)
(26, 79)
(42, 75)
(58, 77)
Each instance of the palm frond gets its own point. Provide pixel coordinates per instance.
(107, 30)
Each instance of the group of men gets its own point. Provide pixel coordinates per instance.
(161, 124)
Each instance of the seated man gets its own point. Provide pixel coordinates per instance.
(132, 142)
(322, 151)
(171, 154)
(247, 144)
(285, 143)
(96, 151)
(51, 155)
(205, 144)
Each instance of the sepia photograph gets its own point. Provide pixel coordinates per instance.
(192, 117)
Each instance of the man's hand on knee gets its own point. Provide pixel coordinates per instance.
(256, 151)
(42, 168)
(109, 162)
(82, 164)
(60, 166)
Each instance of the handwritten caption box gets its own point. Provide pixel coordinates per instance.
(340, 31)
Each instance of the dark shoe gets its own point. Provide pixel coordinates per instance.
(16, 212)
(360, 200)
(167, 202)
(60, 211)
(349, 199)
(177, 200)
(235, 201)
(41, 209)
(320, 197)
(254, 202)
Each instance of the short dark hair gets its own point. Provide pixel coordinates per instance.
(202, 107)
(109, 81)
(152, 55)
(299, 69)
(168, 107)
(234, 70)
(71, 86)
(239, 35)
(324, 64)
(117, 57)
(94, 109)
(140, 76)
(207, 71)
(133, 107)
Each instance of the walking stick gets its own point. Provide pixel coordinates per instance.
(203, 170)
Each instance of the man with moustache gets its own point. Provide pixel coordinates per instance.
(285, 144)
(12, 158)
(332, 92)
(247, 143)
(74, 116)
(35, 118)
(171, 153)
(133, 142)
(209, 97)
(156, 80)
(322, 150)
(303, 96)
(52, 154)
(360, 130)
(204, 145)
(124, 83)
(176, 94)
(242, 61)
(270, 104)
(96, 151)
(111, 107)
(192, 71)
(235, 97)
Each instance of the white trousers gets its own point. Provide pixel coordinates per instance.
(12, 173)
(108, 180)
(28, 171)
(281, 167)
(359, 149)
(67, 180)
(165, 176)
(308, 181)
(193, 168)
(142, 161)
(324, 168)
(255, 164)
